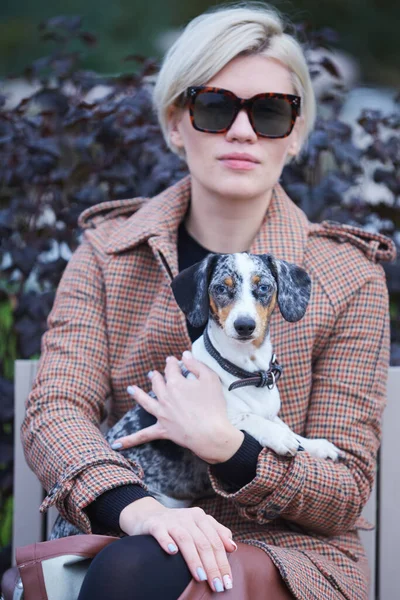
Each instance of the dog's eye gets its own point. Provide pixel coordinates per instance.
(263, 289)
(219, 289)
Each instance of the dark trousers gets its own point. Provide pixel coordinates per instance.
(135, 568)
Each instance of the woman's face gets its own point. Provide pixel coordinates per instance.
(245, 76)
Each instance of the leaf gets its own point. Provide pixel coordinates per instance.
(348, 154)
(6, 522)
(331, 67)
(89, 196)
(88, 38)
(338, 129)
(49, 101)
(69, 23)
(8, 348)
(47, 145)
(24, 258)
(388, 178)
(392, 121)
(6, 452)
(135, 57)
(370, 121)
(30, 333)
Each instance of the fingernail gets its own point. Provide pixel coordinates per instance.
(227, 582)
(168, 358)
(150, 374)
(218, 585)
(201, 574)
(187, 354)
(116, 445)
(131, 390)
(233, 544)
(172, 548)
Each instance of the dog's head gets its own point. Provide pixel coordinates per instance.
(240, 291)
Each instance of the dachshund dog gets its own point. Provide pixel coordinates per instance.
(235, 294)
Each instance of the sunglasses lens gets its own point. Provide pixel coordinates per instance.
(213, 111)
(272, 116)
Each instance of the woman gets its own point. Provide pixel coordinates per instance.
(295, 519)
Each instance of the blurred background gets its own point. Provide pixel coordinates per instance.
(368, 29)
(77, 128)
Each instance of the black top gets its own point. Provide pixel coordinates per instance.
(235, 473)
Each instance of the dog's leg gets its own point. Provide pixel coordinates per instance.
(272, 435)
(319, 447)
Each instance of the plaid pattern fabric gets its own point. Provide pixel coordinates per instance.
(115, 318)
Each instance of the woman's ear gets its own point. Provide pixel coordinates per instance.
(174, 117)
(296, 137)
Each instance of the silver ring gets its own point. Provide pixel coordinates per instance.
(271, 386)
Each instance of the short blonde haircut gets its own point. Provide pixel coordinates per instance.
(213, 39)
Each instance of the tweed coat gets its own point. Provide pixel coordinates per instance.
(115, 318)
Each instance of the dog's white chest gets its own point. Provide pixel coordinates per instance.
(244, 400)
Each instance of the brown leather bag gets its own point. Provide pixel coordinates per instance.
(254, 576)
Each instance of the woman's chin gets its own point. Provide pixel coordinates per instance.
(240, 188)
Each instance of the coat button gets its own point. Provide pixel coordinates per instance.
(271, 514)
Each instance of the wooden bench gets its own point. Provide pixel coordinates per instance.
(382, 544)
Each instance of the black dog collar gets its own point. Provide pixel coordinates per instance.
(257, 378)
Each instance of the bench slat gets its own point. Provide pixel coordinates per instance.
(390, 493)
(28, 492)
(368, 538)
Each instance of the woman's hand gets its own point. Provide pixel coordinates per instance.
(202, 541)
(190, 412)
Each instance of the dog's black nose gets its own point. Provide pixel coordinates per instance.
(244, 326)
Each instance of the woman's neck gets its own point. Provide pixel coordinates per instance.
(222, 224)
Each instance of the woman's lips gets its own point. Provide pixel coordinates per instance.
(244, 163)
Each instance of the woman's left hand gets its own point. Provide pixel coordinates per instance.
(190, 412)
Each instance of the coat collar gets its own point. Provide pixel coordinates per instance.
(284, 230)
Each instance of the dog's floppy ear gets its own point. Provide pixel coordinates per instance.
(190, 289)
(294, 287)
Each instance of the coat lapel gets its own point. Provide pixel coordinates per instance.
(158, 217)
(284, 230)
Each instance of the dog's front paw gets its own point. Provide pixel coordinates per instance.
(283, 442)
(321, 448)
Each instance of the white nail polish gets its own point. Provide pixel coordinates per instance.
(227, 582)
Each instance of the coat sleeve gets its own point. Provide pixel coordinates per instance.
(346, 404)
(60, 433)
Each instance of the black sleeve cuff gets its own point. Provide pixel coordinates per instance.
(241, 468)
(105, 510)
(236, 472)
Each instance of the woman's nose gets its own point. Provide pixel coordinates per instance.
(241, 128)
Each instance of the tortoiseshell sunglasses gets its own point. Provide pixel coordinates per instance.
(213, 110)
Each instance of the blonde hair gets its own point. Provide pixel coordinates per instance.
(213, 39)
